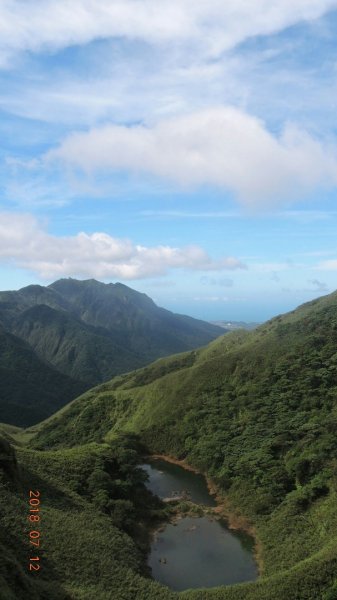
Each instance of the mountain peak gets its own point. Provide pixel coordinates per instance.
(90, 331)
(65, 282)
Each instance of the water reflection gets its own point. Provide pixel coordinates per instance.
(196, 551)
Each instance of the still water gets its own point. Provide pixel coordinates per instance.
(196, 551)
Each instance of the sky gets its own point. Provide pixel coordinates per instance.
(185, 148)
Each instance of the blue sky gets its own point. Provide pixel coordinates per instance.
(187, 149)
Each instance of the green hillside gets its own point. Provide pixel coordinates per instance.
(256, 411)
(30, 388)
(91, 497)
(89, 332)
(75, 349)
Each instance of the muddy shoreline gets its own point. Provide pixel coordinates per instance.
(224, 509)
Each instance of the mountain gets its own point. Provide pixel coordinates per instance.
(256, 411)
(86, 331)
(132, 317)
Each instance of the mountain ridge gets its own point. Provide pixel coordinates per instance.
(90, 331)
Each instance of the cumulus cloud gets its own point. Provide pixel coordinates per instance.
(53, 24)
(221, 146)
(25, 243)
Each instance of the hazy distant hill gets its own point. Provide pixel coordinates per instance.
(232, 325)
(90, 331)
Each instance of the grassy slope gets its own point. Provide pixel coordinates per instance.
(84, 553)
(258, 412)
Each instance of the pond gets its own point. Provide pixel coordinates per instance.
(195, 551)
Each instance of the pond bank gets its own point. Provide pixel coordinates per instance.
(223, 509)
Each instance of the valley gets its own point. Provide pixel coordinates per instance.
(254, 410)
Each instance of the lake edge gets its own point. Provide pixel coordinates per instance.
(223, 510)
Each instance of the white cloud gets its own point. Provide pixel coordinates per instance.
(220, 146)
(25, 243)
(36, 25)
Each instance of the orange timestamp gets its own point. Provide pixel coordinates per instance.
(34, 518)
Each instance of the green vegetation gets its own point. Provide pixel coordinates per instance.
(91, 498)
(30, 389)
(76, 334)
(255, 410)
